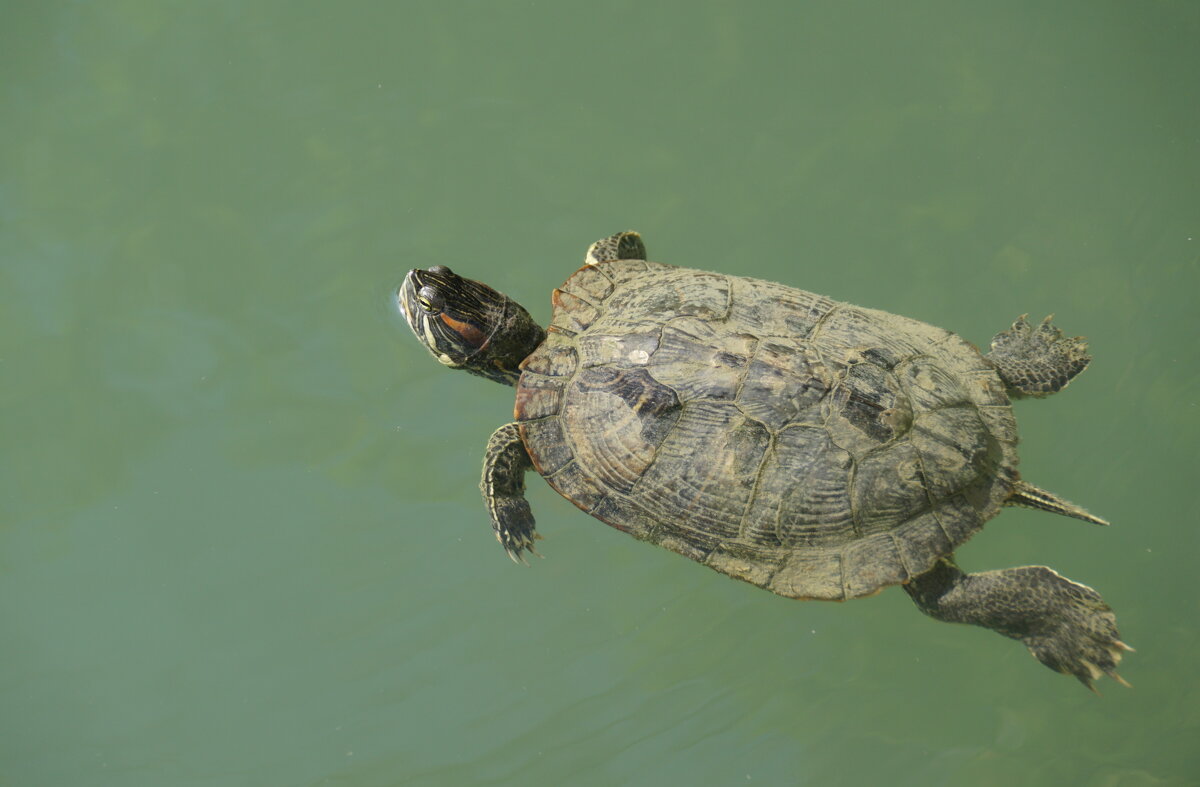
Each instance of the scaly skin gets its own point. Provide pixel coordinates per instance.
(505, 463)
(1037, 361)
(1066, 625)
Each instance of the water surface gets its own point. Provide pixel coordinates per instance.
(241, 539)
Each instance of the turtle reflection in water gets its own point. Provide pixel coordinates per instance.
(813, 448)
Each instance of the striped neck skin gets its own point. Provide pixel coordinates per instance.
(467, 325)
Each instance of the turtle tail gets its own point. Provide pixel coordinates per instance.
(1030, 496)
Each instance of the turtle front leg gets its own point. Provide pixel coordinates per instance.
(503, 486)
(1065, 625)
(1037, 361)
(622, 246)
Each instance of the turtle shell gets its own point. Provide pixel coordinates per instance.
(813, 448)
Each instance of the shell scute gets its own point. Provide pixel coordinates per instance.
(546, 445)
(703, 474)
(782, 384)
(769, 309)
(572, 313)
(921, 541)
(956, 450)
(889, 487)
(958, 518)
(669, 294)
(617, 349)
(929, 387)
(618, 418)
(591, 283)
(748, 568)
(810, 574)
(585, 490)
(629, 517)
(538, 397)
(871, 563)
(867, 409)
(556, 357)
(698, 362)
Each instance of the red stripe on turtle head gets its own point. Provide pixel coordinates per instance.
(469, 333)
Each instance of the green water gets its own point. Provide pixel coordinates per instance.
(241, 541)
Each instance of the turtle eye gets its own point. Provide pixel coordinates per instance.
(429, 300)
(440, 270)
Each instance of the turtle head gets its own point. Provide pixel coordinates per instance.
(468, 325)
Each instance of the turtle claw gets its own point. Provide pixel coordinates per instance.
(1084, 669)
(1113, 674)
(1085, 642)
(515, 543)
(503, 488)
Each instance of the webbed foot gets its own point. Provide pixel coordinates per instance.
(503, 486)
(1075, 632)
(622, 246)
(513, 523)
(1037, 361)
(1066, 625)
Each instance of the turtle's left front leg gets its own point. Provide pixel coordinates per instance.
(503, 487)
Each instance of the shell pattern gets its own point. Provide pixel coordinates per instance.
(814, 448)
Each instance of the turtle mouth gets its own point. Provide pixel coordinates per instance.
(418, 319)
(405, 295)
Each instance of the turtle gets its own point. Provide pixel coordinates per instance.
(814, 448)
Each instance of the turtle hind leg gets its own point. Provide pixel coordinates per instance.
(1037, 361)
(1066, 625)
(503, 486)
(622, 246)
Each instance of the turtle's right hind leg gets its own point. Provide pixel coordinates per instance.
(1037, 361)
(1066, 625)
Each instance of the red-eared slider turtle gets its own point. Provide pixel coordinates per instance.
(813, 448)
